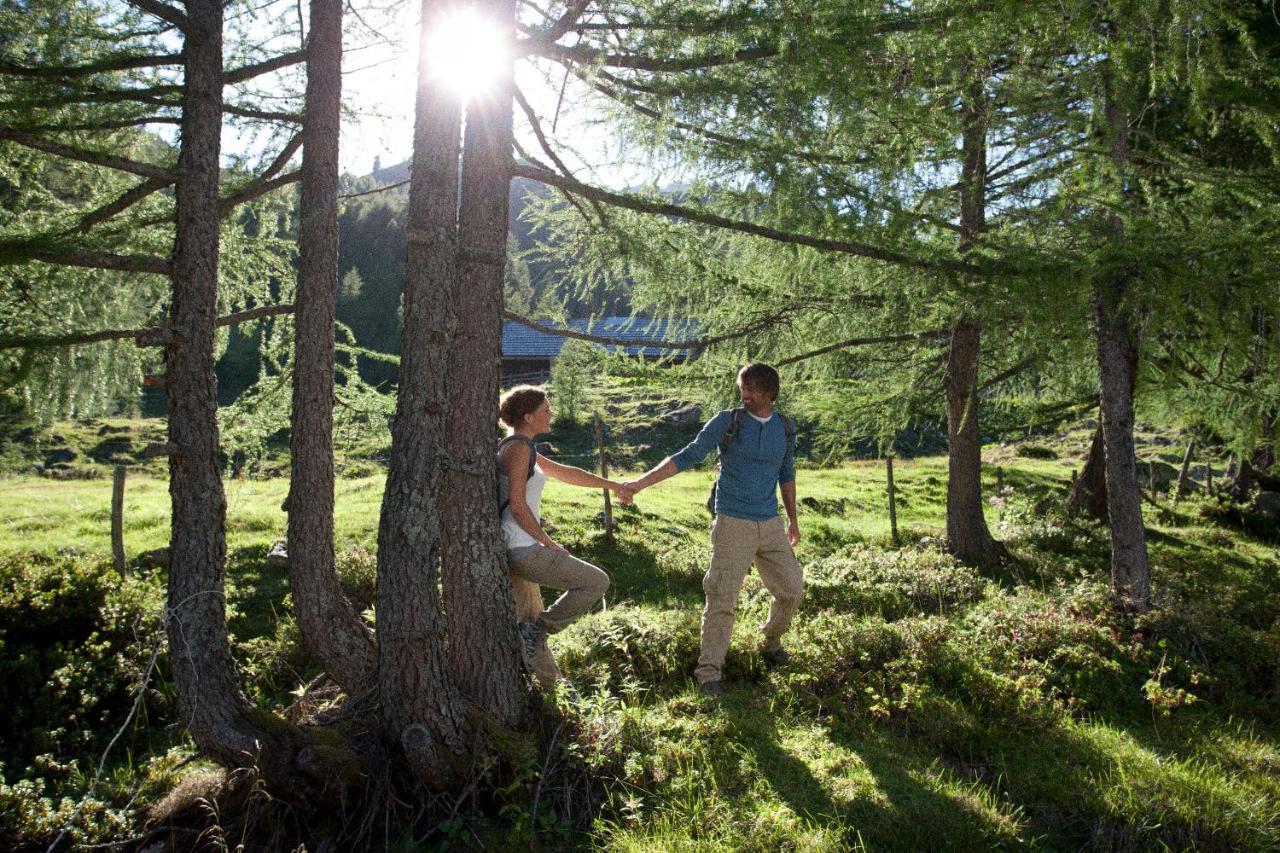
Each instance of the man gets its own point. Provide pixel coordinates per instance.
(756, 462)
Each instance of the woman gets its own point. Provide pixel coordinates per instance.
(535, 558)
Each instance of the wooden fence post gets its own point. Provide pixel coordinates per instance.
(893, 501)
(1151, 477)
(117, 520)
(604, 472)
(999, 480)
(1179, 489)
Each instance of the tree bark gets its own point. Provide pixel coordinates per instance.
(1113, 327)
(483, 644)
(1089, 494)
(1181, 488)
(968, 537)
(422, 709)
(221, 719)
(332, 630)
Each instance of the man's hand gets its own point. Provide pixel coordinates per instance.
(793, 533)
(625, 492)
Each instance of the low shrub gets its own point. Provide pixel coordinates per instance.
(893, 584)
(74, 638)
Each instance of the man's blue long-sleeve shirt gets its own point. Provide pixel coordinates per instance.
(756, 461)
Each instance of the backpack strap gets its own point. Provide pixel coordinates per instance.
(788, 427)
(730, 431)
(533, 457)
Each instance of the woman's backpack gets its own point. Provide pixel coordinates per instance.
(533, 460)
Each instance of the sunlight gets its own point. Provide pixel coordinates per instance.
(466, 53)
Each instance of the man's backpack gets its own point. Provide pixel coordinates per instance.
(533, 460)
(731, 432)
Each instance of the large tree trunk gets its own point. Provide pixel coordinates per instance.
(1113, 326)
(483, 643)
(1089, 494)
(967, 535)
(221, 719)
(421, 707)
(332, 630)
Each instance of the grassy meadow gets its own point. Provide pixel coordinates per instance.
(928, 706)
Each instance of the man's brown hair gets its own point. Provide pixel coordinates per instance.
(762, 377)
(518, 403)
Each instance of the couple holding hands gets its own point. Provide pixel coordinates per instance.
(756, 452)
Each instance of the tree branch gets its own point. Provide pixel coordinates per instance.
(757, 325)
(862, 342)
(256, 189)
(141, 121)
(14, 252)
(111, 63)
(717, 221)
(1026, 363)
(565, 23)
(265, 115)
(275, 63)
(163, 11)
(591, 56)
(58, 149)
(150, 336)
(121, 204)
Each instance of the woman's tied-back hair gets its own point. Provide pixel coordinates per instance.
(762, 377)
(518, 403)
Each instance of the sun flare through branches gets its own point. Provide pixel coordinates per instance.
(466, 53)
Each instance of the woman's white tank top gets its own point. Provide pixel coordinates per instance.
(512, 532)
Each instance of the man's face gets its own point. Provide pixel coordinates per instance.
(755, 400)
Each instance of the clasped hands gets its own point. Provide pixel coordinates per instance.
(626, 491)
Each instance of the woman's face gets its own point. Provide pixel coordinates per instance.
(539, 420)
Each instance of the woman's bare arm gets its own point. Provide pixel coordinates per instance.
(578, 477)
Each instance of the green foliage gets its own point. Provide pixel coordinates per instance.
(75, 638)
(574, 381)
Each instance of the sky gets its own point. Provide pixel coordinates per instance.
(379, 80)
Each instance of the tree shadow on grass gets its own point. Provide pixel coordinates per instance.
(638, 574)
(790, 778)
(255, 592)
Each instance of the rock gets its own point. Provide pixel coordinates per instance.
(1090, 423)
(278, 556)
(156, 557)
(1267, 504)
(684, 416)
(61, 455)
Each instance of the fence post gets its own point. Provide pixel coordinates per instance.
(604, 472)
(1151, 477)
(117, 520)
(999, 480)
(893, 501)
(1182, 473)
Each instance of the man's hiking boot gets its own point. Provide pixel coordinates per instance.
(777, 656)
(714, 689)
(531, 636)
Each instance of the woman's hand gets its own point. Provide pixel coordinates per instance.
(626, 494)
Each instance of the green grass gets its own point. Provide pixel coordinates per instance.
(929, 706)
